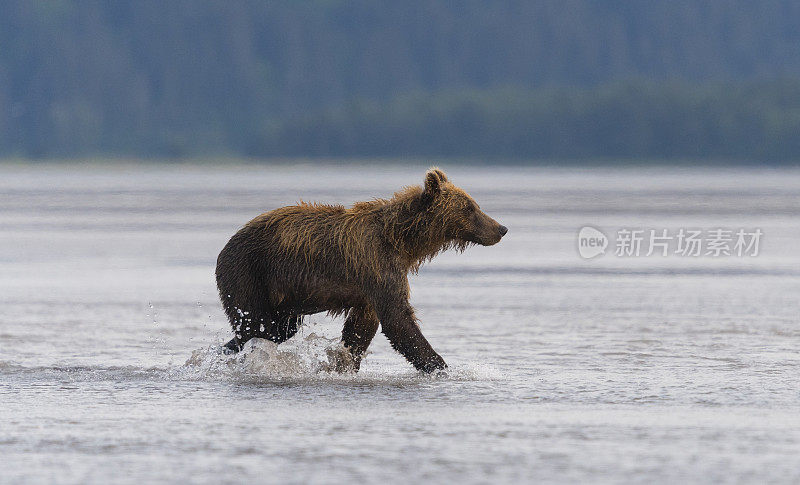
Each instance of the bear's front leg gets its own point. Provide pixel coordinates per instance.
(399, 324)
(359, 329)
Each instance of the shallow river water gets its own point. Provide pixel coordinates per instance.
(617, 369)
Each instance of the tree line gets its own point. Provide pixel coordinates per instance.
(756, 122)
(508, 78)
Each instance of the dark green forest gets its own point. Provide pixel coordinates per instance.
(501, 79)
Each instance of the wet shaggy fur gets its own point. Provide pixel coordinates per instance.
(310, 258)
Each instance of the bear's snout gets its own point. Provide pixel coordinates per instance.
(490, 232)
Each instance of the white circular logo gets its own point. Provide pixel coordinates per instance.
(591, 242)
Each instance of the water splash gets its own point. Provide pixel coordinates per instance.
(312, 358)
(261, 359)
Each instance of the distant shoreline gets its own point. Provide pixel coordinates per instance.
(223, 161)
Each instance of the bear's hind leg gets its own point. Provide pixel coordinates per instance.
(284, 327)
(259, 323)
(278, 329)
(359, 329)
(231, 347)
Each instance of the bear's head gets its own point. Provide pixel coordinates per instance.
(459, 216)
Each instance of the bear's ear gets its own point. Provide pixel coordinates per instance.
(434, 179)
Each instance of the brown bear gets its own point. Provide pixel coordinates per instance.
(310, 258)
